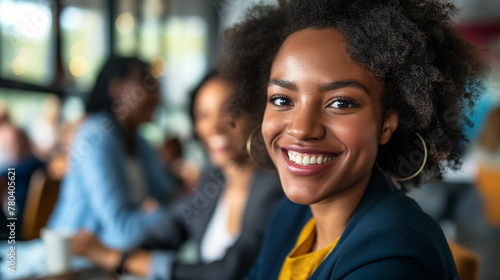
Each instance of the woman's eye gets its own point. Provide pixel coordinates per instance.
(280, 101)
(343, 104)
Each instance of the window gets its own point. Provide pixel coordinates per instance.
(54, 50)
(34, 112)
(27, 42)
(83, 30)
(126, 28)
(185, 39)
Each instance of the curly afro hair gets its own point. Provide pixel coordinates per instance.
(431, 75)
(247, 52)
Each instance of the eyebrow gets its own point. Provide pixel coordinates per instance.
(343, 84)
(324, 87)
(282, 83)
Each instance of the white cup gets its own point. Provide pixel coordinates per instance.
(57, 250)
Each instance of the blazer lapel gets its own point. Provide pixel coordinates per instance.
(379, 187)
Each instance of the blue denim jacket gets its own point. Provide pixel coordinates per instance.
(95, 193)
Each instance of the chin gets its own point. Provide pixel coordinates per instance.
(218, 161)
(301, 195)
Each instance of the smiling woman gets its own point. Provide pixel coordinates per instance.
(349, 86)
(325, 106)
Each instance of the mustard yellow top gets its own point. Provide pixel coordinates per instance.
(301, 263)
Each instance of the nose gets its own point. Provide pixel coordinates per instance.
(306, 124)
(219, 124)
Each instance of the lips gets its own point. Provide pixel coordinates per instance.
(218, 142)
(307, 162)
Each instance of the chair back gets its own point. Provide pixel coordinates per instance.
(40, 201)
(466, 261)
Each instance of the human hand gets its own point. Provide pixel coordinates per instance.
(150, 205)
(87, 245)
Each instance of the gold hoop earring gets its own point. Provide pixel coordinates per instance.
(402, 179)
(250, 156)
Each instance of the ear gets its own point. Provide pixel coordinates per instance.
(115, 88)
(389, 125)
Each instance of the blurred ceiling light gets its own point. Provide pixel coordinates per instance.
(78, 66)
(19, 65)
(158, 66)
(125, 23)
(78, 48)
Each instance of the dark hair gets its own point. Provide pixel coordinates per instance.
(431, 75)
(115, 67)
(247, 51)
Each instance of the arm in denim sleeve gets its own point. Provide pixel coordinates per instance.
(160, 179)
(168, 234)
(161, 265)
(99, 156)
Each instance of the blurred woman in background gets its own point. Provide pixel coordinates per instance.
(114, 182)
(225, 217)
(488, 157)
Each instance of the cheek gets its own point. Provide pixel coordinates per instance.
(201, 131)
(143, 110)
(360, 137)
(135, 114)
(272, 126)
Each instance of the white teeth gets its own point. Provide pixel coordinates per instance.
(308, 159)
(218, 141)
(298, 159)
(319, 160)
(313, 160)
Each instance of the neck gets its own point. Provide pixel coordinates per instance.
(128, 132)
(239, 174)
(333, 214)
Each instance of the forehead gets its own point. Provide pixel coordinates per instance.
(213, 92)
(317, 53)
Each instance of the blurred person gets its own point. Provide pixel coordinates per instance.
(57, 161)
(465, 201)
(487, 151)
(186, 171)
(10, 150)
(114, 182)
(171, 155)
(225, 217)
(16, 153)
(171, 152)
(42, 130)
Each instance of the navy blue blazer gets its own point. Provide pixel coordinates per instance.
(388, 237)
